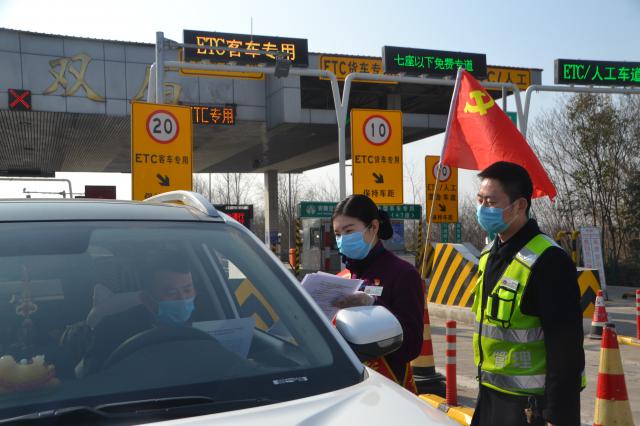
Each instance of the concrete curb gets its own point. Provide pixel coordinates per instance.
(458, 413)
(631, 341)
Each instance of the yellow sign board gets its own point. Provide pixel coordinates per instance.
(519, 76)
(223, 74)
(446, 199)
(342, 66)
(161, 149)
(376, 154)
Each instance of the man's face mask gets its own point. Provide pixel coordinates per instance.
(175, 312)
(353, 245)
(491, 219)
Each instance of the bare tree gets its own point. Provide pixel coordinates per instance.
(291, 187)
(589, 144)
(416, 196)
(227, 188)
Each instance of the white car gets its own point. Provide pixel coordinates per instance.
(115, 312)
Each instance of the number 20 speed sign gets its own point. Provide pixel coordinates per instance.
(376, 152)
(161, 149)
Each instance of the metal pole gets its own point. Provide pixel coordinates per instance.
(151, 87)
(159, 98)
(289, 215)
(524, 121)
(452, 106)
(303, 72)
(504, 99)
(210, 200)
(413, 80)
(341, 107)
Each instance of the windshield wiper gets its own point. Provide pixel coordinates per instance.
(150, 409)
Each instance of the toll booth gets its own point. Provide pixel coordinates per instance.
(319, 251)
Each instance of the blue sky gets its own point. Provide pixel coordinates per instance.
(513, 33)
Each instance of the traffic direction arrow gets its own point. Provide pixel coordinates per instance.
(443, 208)
(163, 180)
(378, 177)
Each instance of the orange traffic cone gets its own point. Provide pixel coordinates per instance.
(612, 402)
(424, 367)
(599, 317)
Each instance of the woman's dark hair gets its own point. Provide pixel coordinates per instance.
(363, 208)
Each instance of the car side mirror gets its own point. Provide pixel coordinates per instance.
(371, 331)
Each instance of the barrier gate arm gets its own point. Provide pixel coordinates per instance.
(567, 89)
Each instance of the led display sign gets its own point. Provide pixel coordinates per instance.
(597, 73)
(432, 62)
(256, 48)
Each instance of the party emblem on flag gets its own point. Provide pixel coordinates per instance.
(481, 106)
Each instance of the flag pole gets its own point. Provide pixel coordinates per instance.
(454, 99)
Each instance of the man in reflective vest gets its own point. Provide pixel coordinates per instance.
(528, 338)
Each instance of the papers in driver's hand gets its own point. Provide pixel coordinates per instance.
(325, 288)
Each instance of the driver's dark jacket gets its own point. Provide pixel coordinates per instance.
(111, 332)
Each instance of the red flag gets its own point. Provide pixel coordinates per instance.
(482, 134)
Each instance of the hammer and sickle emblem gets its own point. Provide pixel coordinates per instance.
(481, 106)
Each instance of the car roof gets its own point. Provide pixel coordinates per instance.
(32, 210)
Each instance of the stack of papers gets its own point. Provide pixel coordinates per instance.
(324, 288)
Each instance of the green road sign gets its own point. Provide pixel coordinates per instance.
(403, 211)
(316, 209)
(458, 231)
(444, 232)
(321, 209)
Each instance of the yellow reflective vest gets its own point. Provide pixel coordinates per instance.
(509, 345)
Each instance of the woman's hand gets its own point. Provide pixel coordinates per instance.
(359, 298)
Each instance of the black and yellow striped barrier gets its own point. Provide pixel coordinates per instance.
(298, 245)
(589, 282)
(453, 276)
(252, 303)
(453, 279)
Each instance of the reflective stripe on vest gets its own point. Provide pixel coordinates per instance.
(526, 335)
(513, 382)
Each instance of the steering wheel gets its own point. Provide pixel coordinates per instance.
(155, 336)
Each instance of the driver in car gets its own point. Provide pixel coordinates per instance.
(167, 299)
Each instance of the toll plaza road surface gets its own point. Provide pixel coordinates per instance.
(467, 371)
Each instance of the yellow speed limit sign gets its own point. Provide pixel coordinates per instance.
(161, 149)
(446, 199)
(376, 154)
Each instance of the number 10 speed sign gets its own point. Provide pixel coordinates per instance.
(376, 153)
(161, 153)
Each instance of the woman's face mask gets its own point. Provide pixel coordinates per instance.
(354, 238)
(353, 245)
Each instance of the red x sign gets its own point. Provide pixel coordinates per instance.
(19, 100)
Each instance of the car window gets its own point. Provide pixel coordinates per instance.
(113, 311)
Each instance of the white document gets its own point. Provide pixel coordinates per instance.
(592, 252)
(234, 334)
(325, 288)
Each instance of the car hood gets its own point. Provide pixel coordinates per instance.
(375, 401)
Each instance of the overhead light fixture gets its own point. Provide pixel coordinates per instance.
(283, 65)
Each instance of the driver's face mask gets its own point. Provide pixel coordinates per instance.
(175, 312)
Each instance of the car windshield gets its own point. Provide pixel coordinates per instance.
(98, 313)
